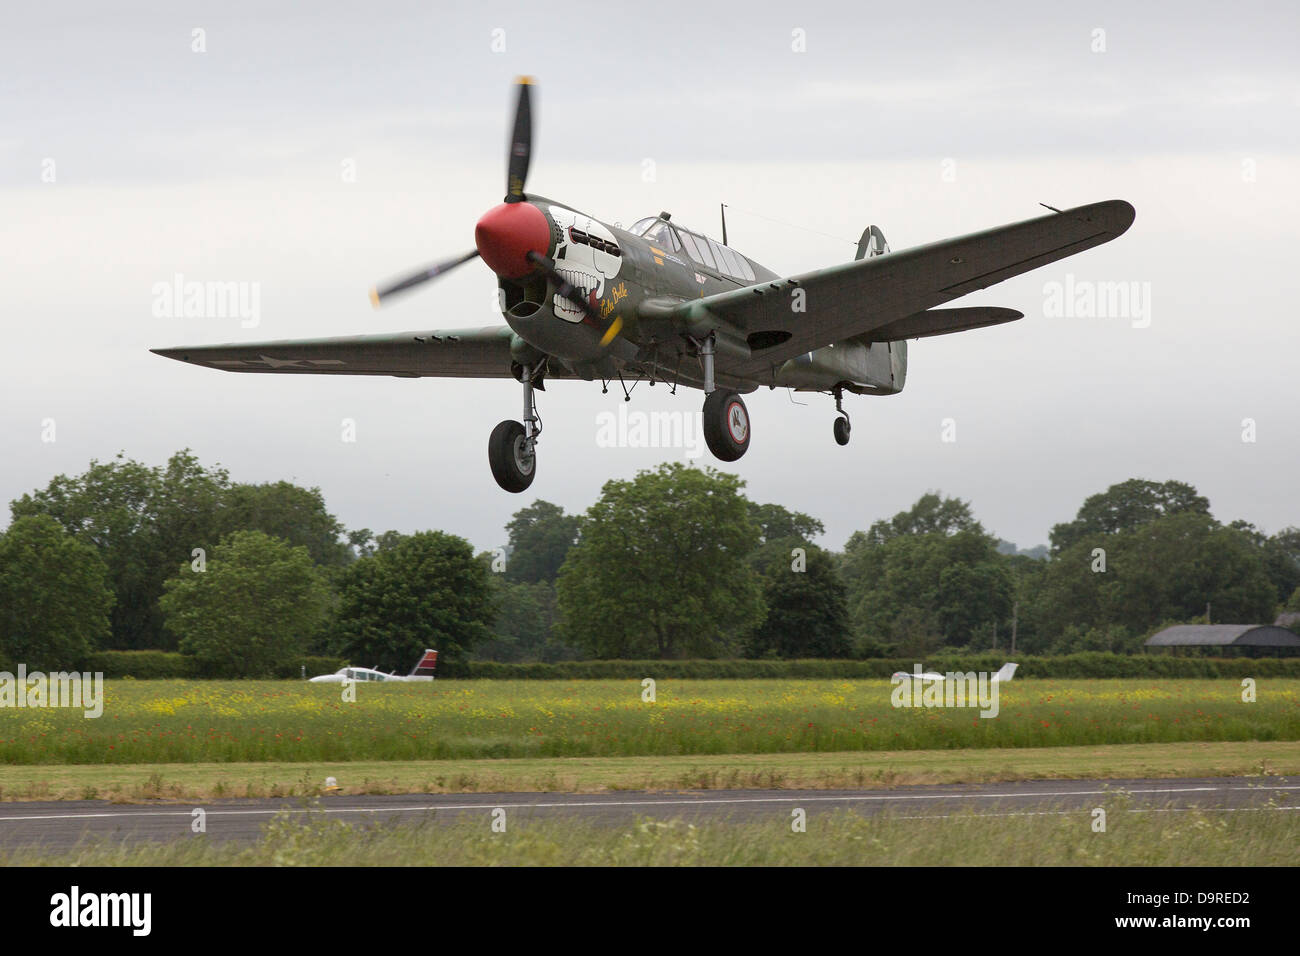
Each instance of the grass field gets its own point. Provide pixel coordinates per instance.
(1263, 837)
(135, 783)
(152, 722)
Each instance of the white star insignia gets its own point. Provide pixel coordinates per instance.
(278, 363)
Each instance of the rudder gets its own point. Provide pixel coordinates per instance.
(872, 243)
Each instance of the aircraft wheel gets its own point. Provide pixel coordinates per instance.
(513, 463)
(726, 425)
(842, 430)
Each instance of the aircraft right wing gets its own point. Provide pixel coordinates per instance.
(445, 353)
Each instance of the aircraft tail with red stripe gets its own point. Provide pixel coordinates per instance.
(426, 666)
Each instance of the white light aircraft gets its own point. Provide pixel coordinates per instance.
(1002, 676)
(422, 671)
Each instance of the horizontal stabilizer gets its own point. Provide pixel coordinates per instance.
(941, 322)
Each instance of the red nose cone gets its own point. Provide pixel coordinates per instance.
(507, 233)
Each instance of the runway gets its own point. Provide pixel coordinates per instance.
(64, 824)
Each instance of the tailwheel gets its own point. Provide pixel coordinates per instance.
(512, 456)
(842, 429)
(726, 425)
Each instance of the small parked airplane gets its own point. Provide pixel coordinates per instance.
(1003, 676)
(422, 671)
(585, 299)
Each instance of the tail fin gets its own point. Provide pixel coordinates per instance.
(1007, 672)
(872, 243)
(427, 665)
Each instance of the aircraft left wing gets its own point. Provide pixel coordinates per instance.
(856, 297)
(449, 353)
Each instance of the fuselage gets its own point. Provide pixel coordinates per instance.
(633, 278)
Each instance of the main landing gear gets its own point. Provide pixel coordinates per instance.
(726, 425)
(842, 426)
(512, 447)
(726, 419)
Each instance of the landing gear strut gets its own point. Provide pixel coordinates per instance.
(512, 447)
(726, 419)
(842, 426)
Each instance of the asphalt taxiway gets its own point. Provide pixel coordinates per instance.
(64, 824)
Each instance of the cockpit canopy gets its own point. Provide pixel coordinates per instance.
(706, 252)
(363, 674)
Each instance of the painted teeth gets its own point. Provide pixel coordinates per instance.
(580, 279)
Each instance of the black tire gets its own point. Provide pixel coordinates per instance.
(726, 425)
(842, 430)
(513, 466)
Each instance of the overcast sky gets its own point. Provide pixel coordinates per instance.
(228, 165)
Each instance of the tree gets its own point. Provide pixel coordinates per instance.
(285, 510)
(1009, 548)
(1127, 506)
(928, 572)
(1027, 568)
(806, 613)
(932, 514)
(776, 523)
(186, 508)
(425, 590)
(660, 569)
(540, 538)
(974, 599)
(111, 506)
(1290, 616)
(54, 601)
(258, 602)
(1281, 555)
(524, 625)
(146, 520)
(1166, 569)
(958, 583)
(913, 632)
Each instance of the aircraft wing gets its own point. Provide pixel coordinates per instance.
(449, 353)
(897, 288)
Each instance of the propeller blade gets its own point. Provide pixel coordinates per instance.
(578, 296)
(521, 143)
(379, 293)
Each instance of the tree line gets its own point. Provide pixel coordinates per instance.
(675, 563)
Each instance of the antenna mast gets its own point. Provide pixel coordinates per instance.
(723, 207)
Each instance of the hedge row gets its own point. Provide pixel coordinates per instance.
(1083, 665)
(146, 665)
(159, 665)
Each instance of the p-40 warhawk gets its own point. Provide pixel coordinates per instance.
(583, 299)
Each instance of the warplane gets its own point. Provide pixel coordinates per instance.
(584, 299)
